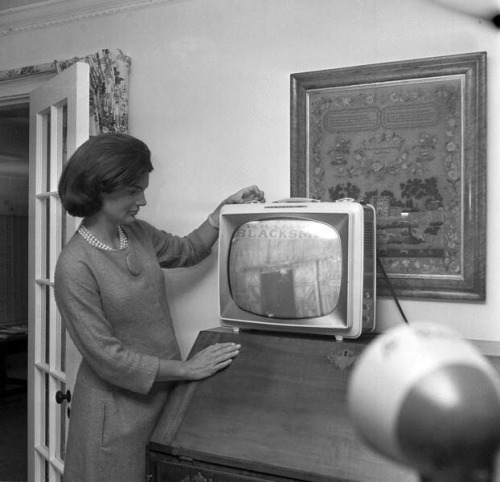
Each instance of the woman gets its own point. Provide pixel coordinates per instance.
(110, 291)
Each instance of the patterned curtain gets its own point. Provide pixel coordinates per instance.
(22, 72)
(109, 85)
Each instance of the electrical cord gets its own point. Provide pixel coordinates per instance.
(391, 289)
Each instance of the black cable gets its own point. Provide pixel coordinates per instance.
(389, 284)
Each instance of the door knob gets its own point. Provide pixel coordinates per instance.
(60, 396)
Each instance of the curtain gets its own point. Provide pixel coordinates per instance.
(109, 86)
(22, 72)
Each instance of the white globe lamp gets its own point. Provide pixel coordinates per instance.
(426, 398)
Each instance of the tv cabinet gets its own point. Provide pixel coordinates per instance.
(277, 413)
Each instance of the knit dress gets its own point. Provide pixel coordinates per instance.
(115, 308)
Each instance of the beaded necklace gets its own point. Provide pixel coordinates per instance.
(93, 241)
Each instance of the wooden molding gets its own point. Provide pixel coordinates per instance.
(47, 13)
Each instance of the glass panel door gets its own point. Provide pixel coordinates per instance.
(59, 122)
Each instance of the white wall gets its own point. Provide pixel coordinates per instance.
(210, 96)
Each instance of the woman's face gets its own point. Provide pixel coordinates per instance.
(121, 207)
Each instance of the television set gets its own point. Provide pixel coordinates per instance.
(300, 266)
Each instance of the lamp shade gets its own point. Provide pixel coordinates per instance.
(426, 398)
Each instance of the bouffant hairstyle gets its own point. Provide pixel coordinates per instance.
(104, 164)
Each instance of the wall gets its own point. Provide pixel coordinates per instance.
(210, 95)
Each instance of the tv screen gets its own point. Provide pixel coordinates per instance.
(306, 267)
(286, 268)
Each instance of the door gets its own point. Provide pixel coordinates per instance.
(59, 123)
(278, 292)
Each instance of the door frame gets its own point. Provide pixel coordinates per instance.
(17, 91)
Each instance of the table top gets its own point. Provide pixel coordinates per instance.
(280, 408)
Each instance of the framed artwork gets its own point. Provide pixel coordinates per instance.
(408, 138)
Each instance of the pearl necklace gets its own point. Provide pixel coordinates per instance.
(93, 241)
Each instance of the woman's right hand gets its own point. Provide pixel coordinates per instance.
(211, 360)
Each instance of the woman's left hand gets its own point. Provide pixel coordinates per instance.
(246, 195)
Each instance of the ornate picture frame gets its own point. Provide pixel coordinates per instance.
(409, 138)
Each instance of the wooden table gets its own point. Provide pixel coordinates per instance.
(277, 413)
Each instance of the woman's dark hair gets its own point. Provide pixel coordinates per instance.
(104, 164)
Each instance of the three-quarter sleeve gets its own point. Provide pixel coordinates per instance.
(176, 251)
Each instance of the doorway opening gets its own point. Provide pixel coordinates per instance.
(14, 201)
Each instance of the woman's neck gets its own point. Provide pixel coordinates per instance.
(103, 230)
